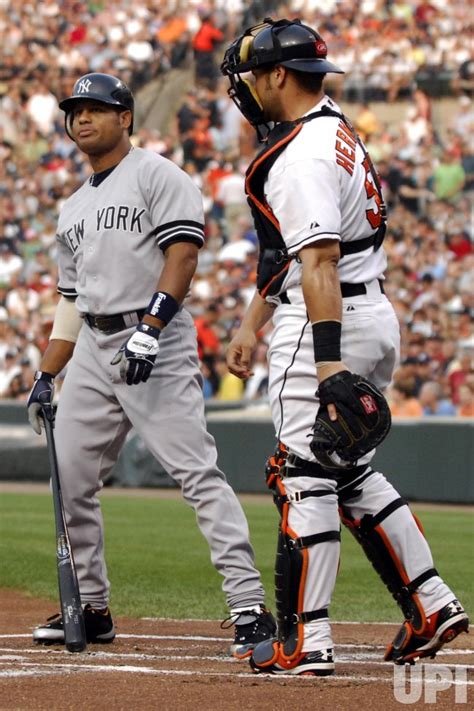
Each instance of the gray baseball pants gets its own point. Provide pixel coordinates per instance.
(95, 412)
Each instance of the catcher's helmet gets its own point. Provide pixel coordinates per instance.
(286, 42)
(101, 87)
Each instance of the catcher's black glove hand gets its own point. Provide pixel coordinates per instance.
(137, 355)
(363, 420)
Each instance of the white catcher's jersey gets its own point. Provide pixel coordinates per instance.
(111, 237)
(319, 188)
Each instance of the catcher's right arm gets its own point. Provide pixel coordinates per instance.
(363, 420)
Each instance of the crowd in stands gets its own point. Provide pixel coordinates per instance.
(398, 50)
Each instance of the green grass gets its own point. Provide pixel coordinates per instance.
(159, 563)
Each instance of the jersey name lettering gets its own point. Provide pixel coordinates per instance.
(74, 236)
(345, 148)
(121, 217)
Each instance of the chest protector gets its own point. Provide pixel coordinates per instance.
(274, 260)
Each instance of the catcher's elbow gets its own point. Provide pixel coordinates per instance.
(321, 255)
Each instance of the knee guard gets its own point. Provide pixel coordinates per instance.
(378, 549)
(291, 565)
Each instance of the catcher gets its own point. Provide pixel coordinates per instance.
(320, 218)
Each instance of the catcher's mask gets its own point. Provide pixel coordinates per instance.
(99, 87)
(286, 42)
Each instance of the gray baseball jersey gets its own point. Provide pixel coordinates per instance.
(111, 235)
(108, 234)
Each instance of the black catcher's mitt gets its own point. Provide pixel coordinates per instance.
(363, 420)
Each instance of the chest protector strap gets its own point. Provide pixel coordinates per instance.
(274, 260)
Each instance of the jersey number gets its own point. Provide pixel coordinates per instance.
(374, 218)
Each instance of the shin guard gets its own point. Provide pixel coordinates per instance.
(291, 568)
(378, 549)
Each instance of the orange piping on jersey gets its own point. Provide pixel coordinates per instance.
(265, 208)
(403, 576)
(419, 524)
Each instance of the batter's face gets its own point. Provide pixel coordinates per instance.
(98, 128)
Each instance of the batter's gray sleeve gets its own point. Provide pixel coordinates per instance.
(67, 270)
(174, 203)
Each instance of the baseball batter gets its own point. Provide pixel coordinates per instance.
(127, 243)
(319, 214)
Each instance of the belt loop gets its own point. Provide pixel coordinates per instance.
(373, 288)
(295, 498)
(130, 318)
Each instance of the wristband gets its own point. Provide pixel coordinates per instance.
(43, 375)
(150, 330)
(327, 341)
(163, 306)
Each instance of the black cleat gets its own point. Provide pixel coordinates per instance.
(269, 659)
(251, 627)
(98, 623)
(441, 627)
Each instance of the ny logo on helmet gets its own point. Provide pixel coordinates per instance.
(84, 86)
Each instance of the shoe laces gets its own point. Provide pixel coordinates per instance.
(234, 617)
(56, 617)
(94, 611)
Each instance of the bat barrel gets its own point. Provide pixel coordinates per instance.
(72, 614)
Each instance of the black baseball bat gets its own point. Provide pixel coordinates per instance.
(73, 617)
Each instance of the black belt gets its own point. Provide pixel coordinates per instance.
(357, 289)
(347, 290)
(115, 323)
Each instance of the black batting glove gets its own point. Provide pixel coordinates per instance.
(40, 400)
(137, 355)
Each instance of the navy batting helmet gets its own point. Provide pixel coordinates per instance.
(101, 87)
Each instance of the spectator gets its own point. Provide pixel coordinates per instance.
(205, 41)
(462, 121)
(449, 176)
(402, 400)
(411, 193)
(21, 383)
(458, 375)
(42, 107)
(230, 387)
(11, 369)
(466, 401)
(464, 81)
(209, 344)
(231, 196)
(256, 386)
(240, 243)
(10, 264)
(382, 46)
(432, 401)
(366, 122)
(459, 244)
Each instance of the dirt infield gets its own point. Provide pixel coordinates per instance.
(180, 665)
